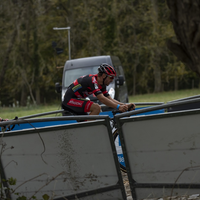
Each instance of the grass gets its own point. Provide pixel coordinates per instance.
(10, 112)
(164, 96)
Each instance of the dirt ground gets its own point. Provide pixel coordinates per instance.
(127, 187)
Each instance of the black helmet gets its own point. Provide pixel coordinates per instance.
(107, 69)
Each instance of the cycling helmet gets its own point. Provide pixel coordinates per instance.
(107, 69)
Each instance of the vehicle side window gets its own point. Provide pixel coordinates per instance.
(72, 74)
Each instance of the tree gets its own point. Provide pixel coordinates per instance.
(136, 31)
(185, 16)
(13, 13)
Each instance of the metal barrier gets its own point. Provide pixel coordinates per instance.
(189, 106)
(74, 161)
(79, 160)
(161, 152)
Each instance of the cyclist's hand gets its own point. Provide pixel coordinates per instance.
(123, 108)
(3, 119)
(131, 106)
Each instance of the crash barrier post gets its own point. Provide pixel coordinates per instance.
(73, 161)
(161, 152)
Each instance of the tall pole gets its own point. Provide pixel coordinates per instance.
(65, 28)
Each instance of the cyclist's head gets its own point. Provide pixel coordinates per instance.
(107, 69)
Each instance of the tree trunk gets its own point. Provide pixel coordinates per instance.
(134, 80)
(7, 54)
(157, 78)
(135, 65)
(155, 54)
(9, 49)
(23, 96)
(37, 91)
(176, 83)
(185, 19)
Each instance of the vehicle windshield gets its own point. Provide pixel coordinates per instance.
(72, 74)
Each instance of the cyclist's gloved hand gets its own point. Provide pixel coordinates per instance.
(131, 106)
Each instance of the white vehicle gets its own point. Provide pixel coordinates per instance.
(75, 68)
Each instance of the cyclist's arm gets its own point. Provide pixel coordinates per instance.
(114, 100)
(120, 103)
(108, 102)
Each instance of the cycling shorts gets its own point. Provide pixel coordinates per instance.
(78, 105)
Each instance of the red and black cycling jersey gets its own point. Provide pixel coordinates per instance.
(83, 87)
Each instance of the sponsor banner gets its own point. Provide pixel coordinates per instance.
(121, 159)
(119, 151)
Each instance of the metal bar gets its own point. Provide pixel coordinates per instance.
(166, 185)
(88, 193)
(64, 28)
(187, 98)
(138, 104)
(107, 121)
(69, 44)
(63, 118)
(163, 106)
(148, 103)
(42, 114)
(50, 128)
(128, 169)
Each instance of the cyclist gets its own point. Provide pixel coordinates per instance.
(74, 99)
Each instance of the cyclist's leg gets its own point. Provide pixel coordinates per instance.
(95, 109)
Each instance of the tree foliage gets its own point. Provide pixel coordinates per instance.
(185, 18)
(134, 30)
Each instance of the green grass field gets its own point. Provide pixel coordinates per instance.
(10, 112)
(164, 96)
